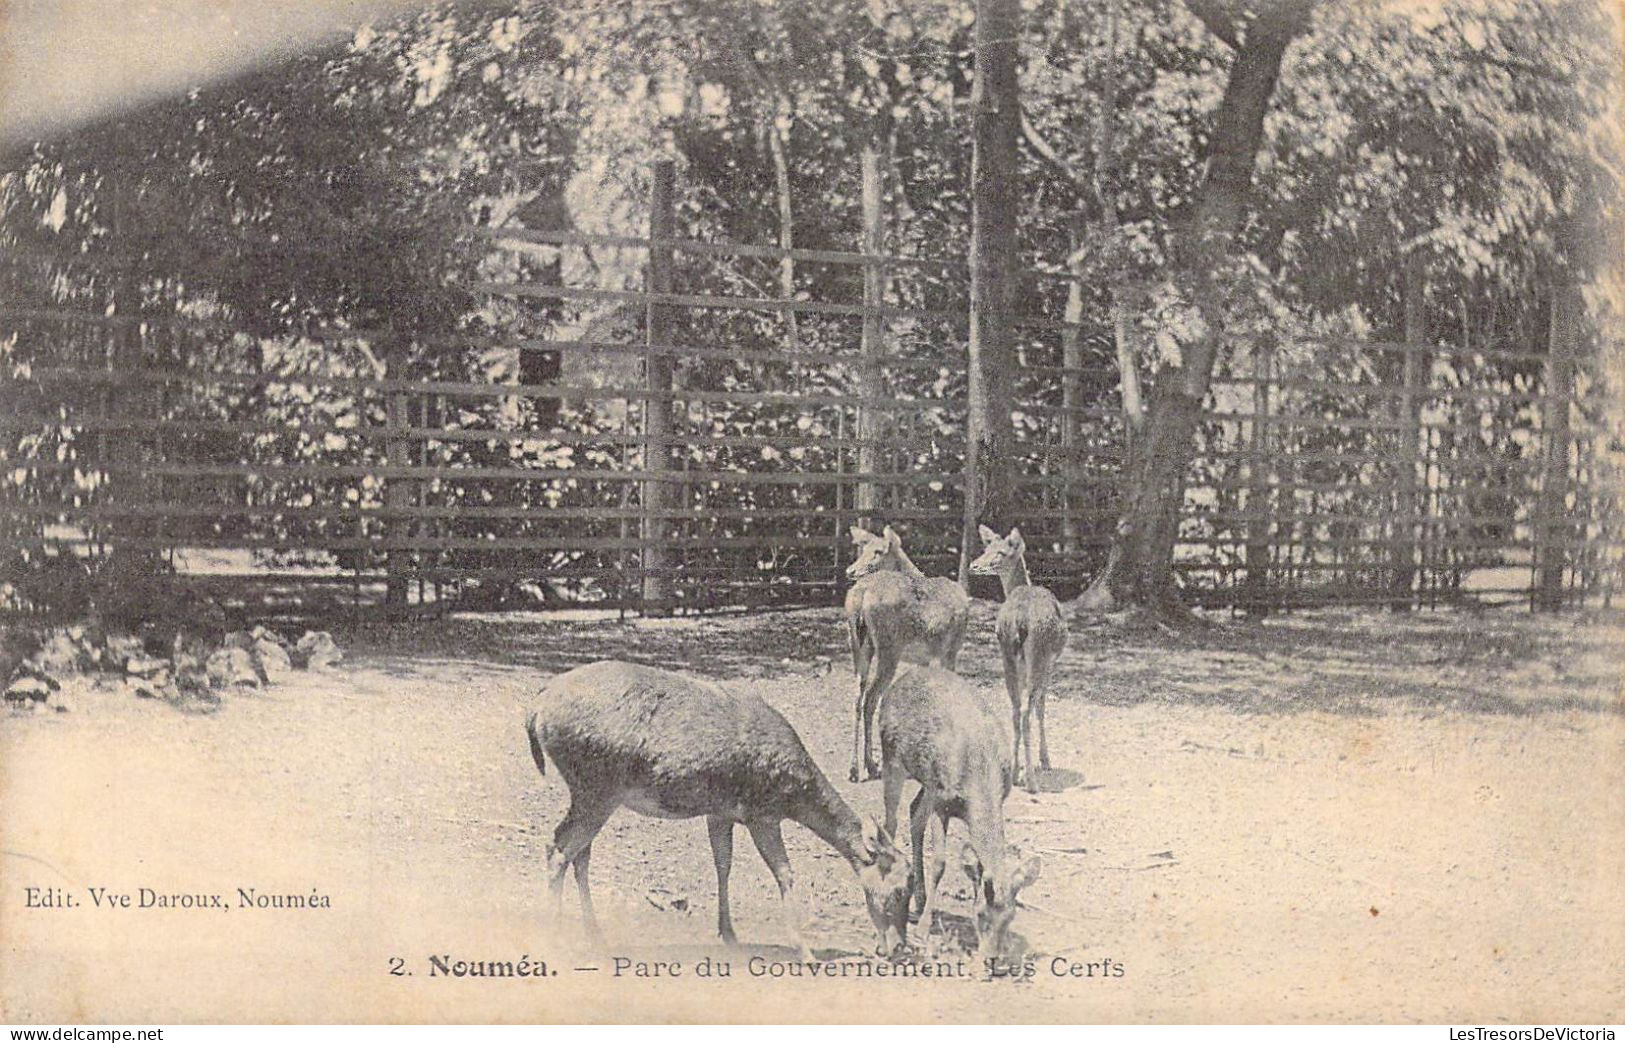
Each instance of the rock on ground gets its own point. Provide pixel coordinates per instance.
(316, 650)
(271, 659)
(29, 689)
(232, 667)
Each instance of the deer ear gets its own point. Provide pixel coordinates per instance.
(891, 536)
(871, 837)
(1026, 873)
(860, 535)
(988, 535)
(969, 862)
(1015, 536)
(877, 842)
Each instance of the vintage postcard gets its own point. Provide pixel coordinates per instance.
(773, 511)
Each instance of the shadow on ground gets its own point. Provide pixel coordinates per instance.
(1346, 662)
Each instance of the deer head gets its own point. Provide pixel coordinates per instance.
(999, 552)
(875, 553)
(997, 901)
(882, 869)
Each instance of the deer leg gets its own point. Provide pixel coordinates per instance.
(939, 846)
(721, 831)
(1012, 684)
(918, 813)
(556, 865)
(1027, 745)
(588, 916)
(950, 650)
(573, 836)
(885, 669)
(939, 858)
(1039, 696)
(863, 663)
(893, 777)
(770, 844)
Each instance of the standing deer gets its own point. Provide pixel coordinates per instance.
(670, 746)
(950, 736)
(891, 606)
(1032, 634)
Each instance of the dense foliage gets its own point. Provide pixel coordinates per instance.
(314, 220)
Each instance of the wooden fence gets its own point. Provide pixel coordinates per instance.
(686, 444)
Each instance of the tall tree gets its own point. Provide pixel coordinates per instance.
(996, 104)
(1138, 571)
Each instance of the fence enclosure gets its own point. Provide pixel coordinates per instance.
(702, 441)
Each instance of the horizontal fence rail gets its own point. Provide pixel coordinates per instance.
(666, 441)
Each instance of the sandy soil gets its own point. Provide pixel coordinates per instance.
(1332, 816)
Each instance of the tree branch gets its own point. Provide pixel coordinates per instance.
(1521, 68)
(1291, 17)
(1047, 152)
(1211, 13)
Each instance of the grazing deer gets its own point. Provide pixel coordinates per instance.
(891, 606)
(1032, 634)
(949, 736)
(670, 746)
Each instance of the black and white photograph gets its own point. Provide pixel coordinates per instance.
(934, 512)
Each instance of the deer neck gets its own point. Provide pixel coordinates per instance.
(906, 565)
(833, 821)
(1014, 576)
(987, 836)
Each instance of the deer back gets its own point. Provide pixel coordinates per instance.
(686, 746)
(949, 733)
(1031, 612)
(894, 605)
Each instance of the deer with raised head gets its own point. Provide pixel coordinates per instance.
(893, 607)
(1032, 633)
(671, 746)
(951, 737)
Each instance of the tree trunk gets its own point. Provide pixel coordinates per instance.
(779, 148)
(1407, 407)
(1555, 533)
(1128, 370)
(1072, 449)
(990, 435)
(657, 494)
(871, 419)
(1138, 572)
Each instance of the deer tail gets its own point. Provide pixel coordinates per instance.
(538, 735)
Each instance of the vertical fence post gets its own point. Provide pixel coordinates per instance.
(1552, 528)
(133, 401)
(1255, 599)
(398, 491)
(838, 532)
(871, 379)
(657, 410)
(1402, 550)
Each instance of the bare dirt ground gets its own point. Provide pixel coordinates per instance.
(1329, 816)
